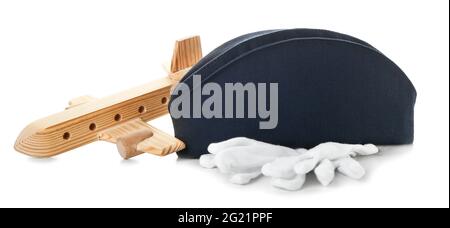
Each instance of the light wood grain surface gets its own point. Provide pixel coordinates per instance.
(87, 119)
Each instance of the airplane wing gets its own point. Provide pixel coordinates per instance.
(136, 137)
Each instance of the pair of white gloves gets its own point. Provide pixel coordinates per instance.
(246, 159)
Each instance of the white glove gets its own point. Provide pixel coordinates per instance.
(289, 172)
(243, 158)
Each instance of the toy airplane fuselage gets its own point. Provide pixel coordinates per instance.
(88, 119)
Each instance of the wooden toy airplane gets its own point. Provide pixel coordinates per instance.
(119, 119)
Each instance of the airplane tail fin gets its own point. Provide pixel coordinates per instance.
(187, 52)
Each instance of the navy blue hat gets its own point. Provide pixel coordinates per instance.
(331, 87)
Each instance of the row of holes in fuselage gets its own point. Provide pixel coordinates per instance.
(117, 118)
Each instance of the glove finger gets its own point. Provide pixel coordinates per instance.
(282, 167)
(325, 172)
(350, 168)
(305, 166)
(367, 149)
(214, 148)
(244, 178)
(330, 151)
(207, 161)
(293, 184)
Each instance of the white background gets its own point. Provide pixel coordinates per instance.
(52, 51)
